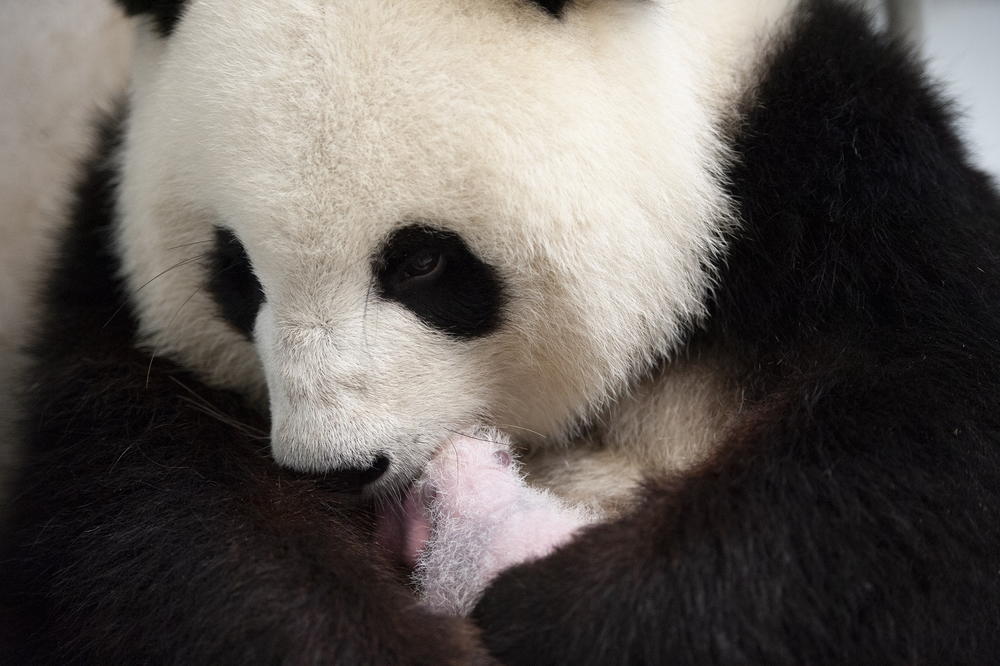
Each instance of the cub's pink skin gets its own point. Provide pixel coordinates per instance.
(470, 517)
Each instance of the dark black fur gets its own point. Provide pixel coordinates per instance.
(462, 296)
(233, 285)
(147, 529)
(554, 7)
(165, 13)
(854, 516)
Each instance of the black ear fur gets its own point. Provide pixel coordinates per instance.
(554, 7)
(165, 13)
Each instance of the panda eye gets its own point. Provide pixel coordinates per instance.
(435, 275)
(423, 264)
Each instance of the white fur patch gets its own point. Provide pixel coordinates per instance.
(668, 423)
(581, 158)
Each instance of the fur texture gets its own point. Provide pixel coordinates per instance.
(164, 13)
(496, 152)
(58, 62)
(471, 515)
(232, 283)
(554, 7)
(852, 514)
(242, 563)
(785, 248)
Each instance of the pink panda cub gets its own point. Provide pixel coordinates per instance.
(470, 517)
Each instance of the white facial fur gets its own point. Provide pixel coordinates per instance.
(579, 157)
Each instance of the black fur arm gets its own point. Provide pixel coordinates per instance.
(853, 516)
(850, 526)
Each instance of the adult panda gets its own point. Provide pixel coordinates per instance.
(722, 269)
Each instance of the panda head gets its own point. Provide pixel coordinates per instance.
(391, 220)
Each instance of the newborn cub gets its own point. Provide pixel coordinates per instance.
(470, 517)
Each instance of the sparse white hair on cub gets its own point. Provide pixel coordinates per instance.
(580, 158)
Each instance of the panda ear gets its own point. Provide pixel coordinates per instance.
(554, 7)
(165, 13)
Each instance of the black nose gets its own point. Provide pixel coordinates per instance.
(362, 476)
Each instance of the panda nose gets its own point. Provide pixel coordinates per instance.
(362, 476)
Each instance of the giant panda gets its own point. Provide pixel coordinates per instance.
(721, 271)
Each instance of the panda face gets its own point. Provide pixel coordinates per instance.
(393, 220)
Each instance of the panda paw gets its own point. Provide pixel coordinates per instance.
(472, 515)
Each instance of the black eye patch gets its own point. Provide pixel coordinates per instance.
(435, 275)
(233, 284)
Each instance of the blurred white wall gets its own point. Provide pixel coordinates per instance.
(961, 39)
